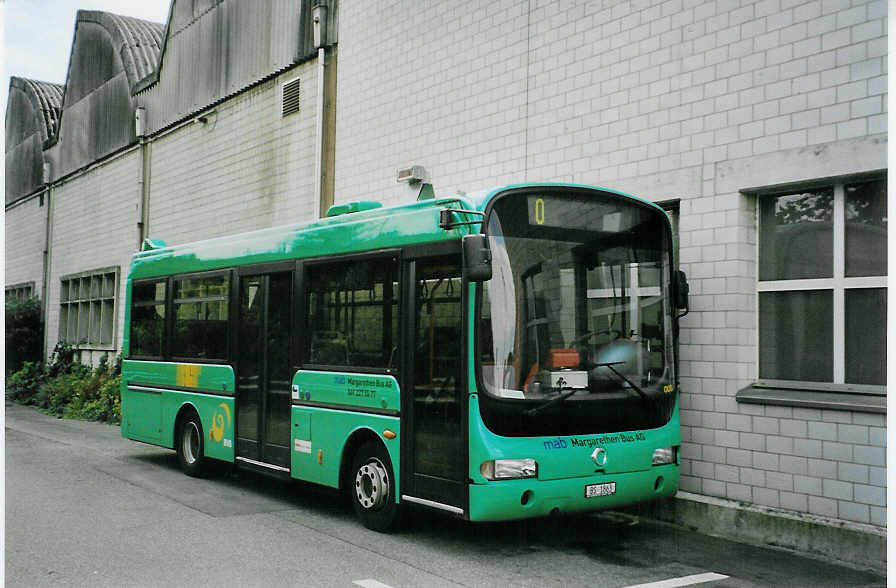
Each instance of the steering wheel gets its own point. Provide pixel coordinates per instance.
(584, 337)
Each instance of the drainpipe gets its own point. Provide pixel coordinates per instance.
(319, 131)
(48, 241)
(322, 160)
(142, 175)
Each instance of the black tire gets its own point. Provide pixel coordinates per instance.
(190, 446)
(371, 487)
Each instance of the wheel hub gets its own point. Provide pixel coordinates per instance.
(190, 442)
(372, 484)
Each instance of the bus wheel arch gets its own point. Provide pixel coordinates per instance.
(189, 441)
(358, 438)
(368, 478)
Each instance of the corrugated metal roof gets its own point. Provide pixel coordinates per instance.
(47, 98)
(139, 42)
(208, 51)
(32, 116)
(110, 54)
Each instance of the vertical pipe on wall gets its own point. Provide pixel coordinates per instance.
(142, 175)
(319, 131)
(144, 181)
(48, 241)
(329, 144)
(140, 202)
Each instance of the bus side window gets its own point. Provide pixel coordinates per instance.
(201, 317)
(438, 325)
(352, 313)
(437, 368)
(148, 319)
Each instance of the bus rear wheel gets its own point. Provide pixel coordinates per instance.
(190, 446)
(372, 487)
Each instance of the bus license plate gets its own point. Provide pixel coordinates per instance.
(607, 489)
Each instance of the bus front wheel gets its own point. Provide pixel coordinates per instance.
(190, 447)
(372, 487)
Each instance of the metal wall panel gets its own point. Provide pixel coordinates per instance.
(215, 49)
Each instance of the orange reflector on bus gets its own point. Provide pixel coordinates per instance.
(388, 434)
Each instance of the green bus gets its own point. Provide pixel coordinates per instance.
(499, 355)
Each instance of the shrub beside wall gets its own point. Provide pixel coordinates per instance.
(24, 332)
(68, 389)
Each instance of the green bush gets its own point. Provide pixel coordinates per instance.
(24, 333)
(62, 360)
(63, 391)
(22, 385)
(68, 389)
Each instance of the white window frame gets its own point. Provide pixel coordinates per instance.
(838, 284)
(22, 291)
(89, 300)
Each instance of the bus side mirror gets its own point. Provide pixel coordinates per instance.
(682, 289)
(477, 258)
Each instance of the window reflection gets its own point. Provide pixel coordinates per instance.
(866, 229)
(352, 314)
(201, 314)
(797, 236)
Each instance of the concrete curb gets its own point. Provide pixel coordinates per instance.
(852, 544)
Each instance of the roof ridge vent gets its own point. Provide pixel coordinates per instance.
(351, 207)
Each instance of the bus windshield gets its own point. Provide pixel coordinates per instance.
(575, 326)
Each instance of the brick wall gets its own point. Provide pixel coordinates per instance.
(245, 168)
(679, 99)
(25, 233)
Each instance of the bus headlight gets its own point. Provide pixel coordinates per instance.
(664, 456)
(509, 469)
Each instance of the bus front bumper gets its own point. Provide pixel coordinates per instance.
(529, 498)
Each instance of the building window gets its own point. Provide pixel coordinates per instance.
(19, 292)
(87, 309)
(822, 284)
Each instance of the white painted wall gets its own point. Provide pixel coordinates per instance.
(94, 226)
(246, 168)
(25, 233)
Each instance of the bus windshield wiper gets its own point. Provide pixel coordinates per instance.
(609, 365)
(553, 401)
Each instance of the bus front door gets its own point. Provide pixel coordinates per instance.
(436, 446)
(264, 369)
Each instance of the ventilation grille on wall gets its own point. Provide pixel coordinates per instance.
(292, 96)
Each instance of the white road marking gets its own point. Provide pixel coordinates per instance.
(370, 583)
(683, 581)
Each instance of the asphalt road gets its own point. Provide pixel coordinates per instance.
(85, 507)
